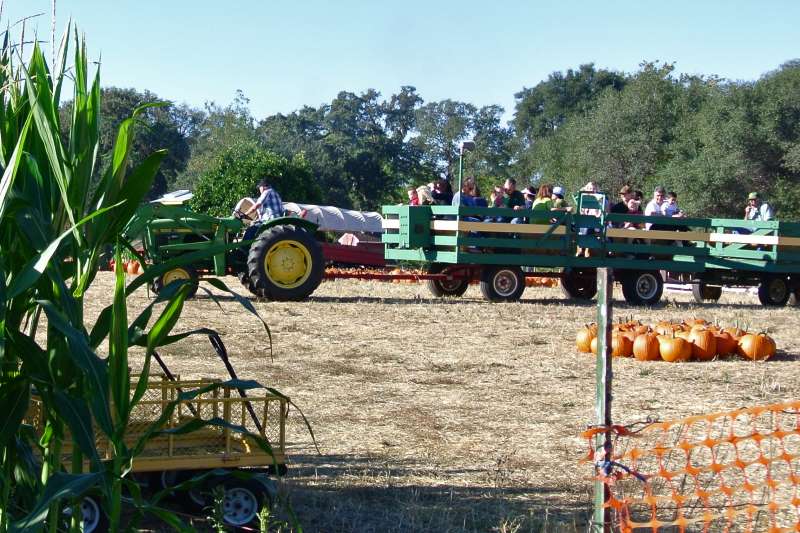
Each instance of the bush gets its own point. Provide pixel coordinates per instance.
(237, 171)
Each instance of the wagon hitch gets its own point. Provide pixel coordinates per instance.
(219, 347)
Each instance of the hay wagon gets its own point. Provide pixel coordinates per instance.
(169, 459)
(460, 244)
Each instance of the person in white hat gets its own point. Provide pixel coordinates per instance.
(558, 199)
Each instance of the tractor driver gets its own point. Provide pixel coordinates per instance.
(268, 206)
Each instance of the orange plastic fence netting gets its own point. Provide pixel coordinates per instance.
(736, 471)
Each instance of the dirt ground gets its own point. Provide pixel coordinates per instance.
(458, 414)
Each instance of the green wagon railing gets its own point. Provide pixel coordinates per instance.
(709, 251)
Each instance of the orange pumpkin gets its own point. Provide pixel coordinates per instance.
(735, 332)
(645, 347)
(756, 347)
(683, 334)
(674, 349)
(594, 345)
(667, 328)
(584, 339)
(704, 344)
(726, 344)
(641, 329)
(621, 345)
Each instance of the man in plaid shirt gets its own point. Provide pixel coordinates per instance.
(269, 205)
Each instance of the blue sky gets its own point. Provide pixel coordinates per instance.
(284, 55)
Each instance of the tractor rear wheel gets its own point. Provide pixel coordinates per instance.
(177, 274)
(285, 263)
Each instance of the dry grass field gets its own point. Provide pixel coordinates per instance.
(459, 415)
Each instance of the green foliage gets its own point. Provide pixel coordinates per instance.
(236, 171)
(58, 215)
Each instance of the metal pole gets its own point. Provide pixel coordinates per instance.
(601, 521)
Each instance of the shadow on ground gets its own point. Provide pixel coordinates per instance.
(349, 493)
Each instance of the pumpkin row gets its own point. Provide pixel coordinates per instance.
(678, 342)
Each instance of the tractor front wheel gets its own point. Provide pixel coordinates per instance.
(177, 274)
(285, 263)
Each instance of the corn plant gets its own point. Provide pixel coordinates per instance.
(59, 213)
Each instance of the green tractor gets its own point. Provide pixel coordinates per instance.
(282, 262)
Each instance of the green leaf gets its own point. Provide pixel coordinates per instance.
(14, 397)
(92, 366)
(75, 412)
(31, 272)
(245, 302)
(58, 487)
(10, 171)
(119, 374)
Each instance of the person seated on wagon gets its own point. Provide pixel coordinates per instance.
(424, 195)
(634, 207)
(559, 204)
(655, 208)
(621, 207)
(442, 192)
(530, 196)
(413, 199)
(513, 199)
(756, 209)
(542, 205)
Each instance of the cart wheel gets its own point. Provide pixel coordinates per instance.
(703, 292)
(94, 518)
(443, 287)
(774, 291)
(285, 263)
(177, 274)
(502, 283)
(642, 288)
(192, 498)
(242, 501)
(579, 284)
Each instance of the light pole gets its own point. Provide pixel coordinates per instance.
(466, 146)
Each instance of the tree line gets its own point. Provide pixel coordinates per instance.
(709, 139)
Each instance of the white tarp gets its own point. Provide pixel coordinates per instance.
(330, 218)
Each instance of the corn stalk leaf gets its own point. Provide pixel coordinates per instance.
(75, 412)
(14, 397)
(119, 374)
(58, 487)
(87, 360)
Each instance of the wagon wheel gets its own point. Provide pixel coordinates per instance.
(446, 287)
(502, 283)
(579, 284)
(242, 501)
(703, 292)
(642, 288)
(774, 291)
(94, 519)
(285, 263)
(177, 274)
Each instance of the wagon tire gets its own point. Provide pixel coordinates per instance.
(642, 288)
(703, 293)
(774, 291)
(577, 285)
(95, 519)
(285, 263)
(177, 274)
(502, 283)
(446, 288)
(242, 502)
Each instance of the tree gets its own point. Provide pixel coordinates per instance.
(164, 127)
(235, 172)
(442, 126)
(217, 130)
